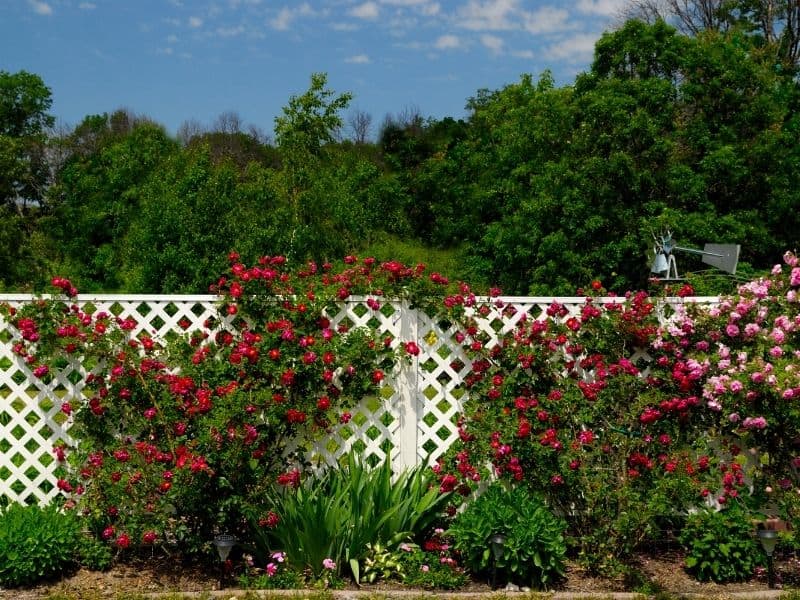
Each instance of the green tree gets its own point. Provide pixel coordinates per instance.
(665, 131)
(305, 134)
(24, 102)
(192, 212)
(97, 194)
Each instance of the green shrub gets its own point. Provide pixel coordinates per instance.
(36, 543)
(721, 545)
(534, 545)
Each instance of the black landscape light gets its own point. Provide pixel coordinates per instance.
(223, 543)
(497, 544)
(769, 539)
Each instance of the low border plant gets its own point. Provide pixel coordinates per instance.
(37, 543)
(721, 545)
(534, 548)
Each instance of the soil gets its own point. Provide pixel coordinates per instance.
(660, 573)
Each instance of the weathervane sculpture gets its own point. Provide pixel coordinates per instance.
(722, 256)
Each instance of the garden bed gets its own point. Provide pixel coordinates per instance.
(661, 574)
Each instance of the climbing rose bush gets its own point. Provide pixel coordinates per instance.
(175, 439)
(625, 424)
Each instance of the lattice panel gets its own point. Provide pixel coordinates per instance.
(413, 420)
(31, 423)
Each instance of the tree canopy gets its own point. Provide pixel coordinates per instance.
(540, 189)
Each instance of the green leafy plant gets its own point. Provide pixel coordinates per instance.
(414, 567)
(36, 543)
(721, 545)
(534, 547)
(94, 554)
(382, 563)
(337, 514)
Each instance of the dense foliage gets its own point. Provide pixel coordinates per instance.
(538, 189)
(41, 543)
(345, 512)
(721, 546)
(181, 439)
(622, 447)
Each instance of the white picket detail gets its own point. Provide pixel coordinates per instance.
(414, 420)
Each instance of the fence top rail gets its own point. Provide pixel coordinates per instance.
(89, 297)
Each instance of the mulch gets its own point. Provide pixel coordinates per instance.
(654, 573)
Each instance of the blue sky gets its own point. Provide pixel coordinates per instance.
(174, 60)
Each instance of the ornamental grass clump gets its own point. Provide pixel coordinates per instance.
(340, 513)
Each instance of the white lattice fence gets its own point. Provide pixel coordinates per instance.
(412, 422)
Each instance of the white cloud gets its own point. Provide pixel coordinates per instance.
(195, 22)
(282, 20)
(344, 27)
(172, 38)
(368, 10)
(448, 42)
(526, 54)
(358, 59)
(41, 8)
(426, 7)
(431, 10)
(493, 43)
(286, 15)
(230, 31)
(607, 8)
(166, 51)
(546, 20)
(578, 48)
(489, 15)
(87, 5)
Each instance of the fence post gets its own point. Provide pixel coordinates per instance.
(407, 384)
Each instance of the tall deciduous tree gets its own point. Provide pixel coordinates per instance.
(24, 120)
(305, 132)
(98, 192)
(774, 24)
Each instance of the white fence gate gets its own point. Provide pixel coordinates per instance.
(416, 422)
